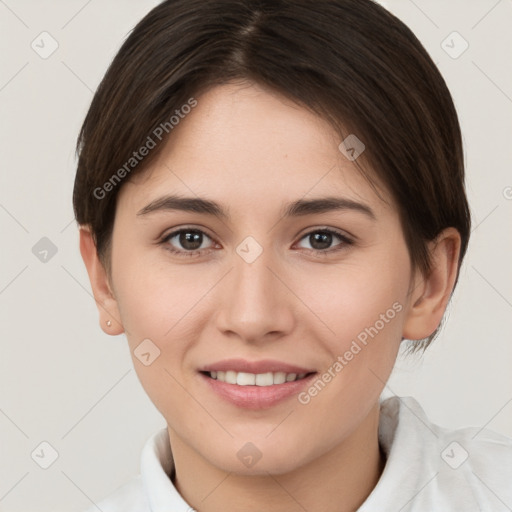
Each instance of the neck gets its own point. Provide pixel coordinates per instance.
(337, 481)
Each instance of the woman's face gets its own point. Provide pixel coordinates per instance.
(262, 293)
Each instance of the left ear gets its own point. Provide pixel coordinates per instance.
(431, 293)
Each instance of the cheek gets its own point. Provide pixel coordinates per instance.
(155, 299)
(361, 309)
(163, 309)
(358, 302)
(364, 307)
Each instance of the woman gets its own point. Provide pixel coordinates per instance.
(271, 200)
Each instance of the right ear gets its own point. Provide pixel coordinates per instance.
(105, 301)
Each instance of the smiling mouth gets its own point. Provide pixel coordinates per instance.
(255, 379)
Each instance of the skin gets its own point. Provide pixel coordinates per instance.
(252, 151)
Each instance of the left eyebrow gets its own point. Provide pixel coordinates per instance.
(325, 204)
(297, 208)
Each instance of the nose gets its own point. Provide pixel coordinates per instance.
(255, 305)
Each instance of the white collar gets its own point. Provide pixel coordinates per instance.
(417, 475)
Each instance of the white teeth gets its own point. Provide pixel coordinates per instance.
(252, 379)
(231, 377)
(279, 378)
(245, 379)
(264, 379)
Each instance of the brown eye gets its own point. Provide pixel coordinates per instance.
(321, 240)
(186, 241)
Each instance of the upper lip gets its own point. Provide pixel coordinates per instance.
(256, 367)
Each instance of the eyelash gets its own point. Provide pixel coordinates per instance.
(318, 252)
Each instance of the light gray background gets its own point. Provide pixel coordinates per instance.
(65, 382)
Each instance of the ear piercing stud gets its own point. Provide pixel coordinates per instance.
(109, 323)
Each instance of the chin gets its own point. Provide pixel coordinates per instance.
(259, 459)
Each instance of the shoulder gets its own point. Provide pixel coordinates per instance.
(130, 497)
(477, 446)
(429, 467)
(152, 488)
(478, 460)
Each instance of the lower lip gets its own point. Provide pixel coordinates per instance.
(257, 397)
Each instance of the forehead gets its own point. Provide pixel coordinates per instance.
(251, 147)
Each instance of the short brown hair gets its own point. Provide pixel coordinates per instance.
(350, 61)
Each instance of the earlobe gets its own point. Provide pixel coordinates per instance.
(431, 293)
(105, 300)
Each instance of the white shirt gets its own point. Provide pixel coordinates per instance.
(428, 469)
